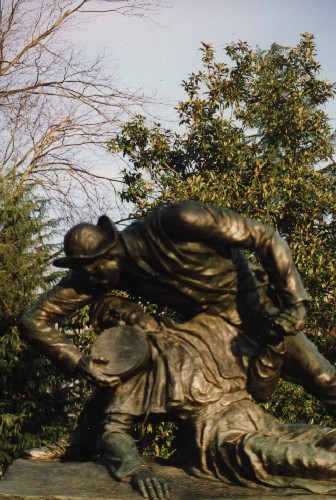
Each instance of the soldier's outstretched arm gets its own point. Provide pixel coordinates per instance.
(38, 326)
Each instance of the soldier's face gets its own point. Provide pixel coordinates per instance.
(102, 272)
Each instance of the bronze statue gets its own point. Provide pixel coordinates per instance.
(198, 372)
(244, 325)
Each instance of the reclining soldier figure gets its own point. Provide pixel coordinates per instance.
(198, 373)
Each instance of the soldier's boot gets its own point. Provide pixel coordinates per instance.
(64, 449)
(81, 444)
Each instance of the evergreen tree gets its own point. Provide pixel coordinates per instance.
(32, 394)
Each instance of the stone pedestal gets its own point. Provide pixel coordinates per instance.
(55, 480)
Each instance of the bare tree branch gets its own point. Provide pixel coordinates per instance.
(57, 110)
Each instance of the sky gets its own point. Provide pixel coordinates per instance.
(156, 54)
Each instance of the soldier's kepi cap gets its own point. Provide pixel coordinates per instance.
(85, 242)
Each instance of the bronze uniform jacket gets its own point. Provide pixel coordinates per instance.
(187, 256)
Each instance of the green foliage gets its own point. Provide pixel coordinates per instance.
(291, 404)
(32, 393)
(77, 326)
(157, 439)
(79, 331)
(22, 229)
(253, 136)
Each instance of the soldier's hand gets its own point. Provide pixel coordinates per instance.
(90, 369)
(289, 321)
(150, 484)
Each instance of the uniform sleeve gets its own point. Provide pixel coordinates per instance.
(38, 324)
(195, 221)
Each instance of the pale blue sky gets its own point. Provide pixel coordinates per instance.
(156, 55)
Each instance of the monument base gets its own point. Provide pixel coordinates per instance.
(55, 480)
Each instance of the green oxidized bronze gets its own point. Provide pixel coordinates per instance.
(239, 330)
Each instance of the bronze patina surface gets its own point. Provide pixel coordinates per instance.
(236, 330)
